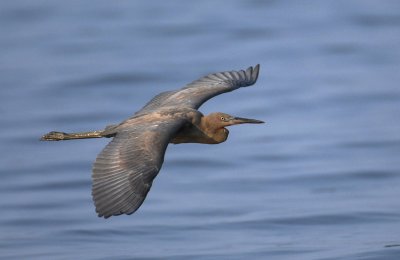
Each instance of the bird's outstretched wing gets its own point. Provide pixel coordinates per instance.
(196, 93)
(124, 171)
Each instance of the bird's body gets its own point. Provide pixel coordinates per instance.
(124, 171)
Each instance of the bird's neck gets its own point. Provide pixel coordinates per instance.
(219, 135)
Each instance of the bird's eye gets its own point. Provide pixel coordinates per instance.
(222, 118)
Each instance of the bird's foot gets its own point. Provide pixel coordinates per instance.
(53, 136)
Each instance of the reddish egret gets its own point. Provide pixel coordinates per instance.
(124, 171)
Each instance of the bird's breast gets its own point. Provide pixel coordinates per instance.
(192, 134)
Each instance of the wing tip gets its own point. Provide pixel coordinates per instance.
(253, 73)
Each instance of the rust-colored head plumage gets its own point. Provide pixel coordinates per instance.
(220, 120)
(214, 125)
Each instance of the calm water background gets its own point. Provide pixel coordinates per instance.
(321, 180)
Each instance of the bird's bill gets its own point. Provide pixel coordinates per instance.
(242, 120)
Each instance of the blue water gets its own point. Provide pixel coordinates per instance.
(320, 180)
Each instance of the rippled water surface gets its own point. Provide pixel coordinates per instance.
(320, 180)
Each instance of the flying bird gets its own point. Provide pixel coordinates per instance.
(125, 169)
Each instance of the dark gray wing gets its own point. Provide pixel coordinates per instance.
(124, 171)
(196, 93)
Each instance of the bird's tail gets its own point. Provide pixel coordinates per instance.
(60, 136)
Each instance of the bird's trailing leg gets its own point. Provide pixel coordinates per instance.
(60, 136)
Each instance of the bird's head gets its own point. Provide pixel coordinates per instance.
(221, 120)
